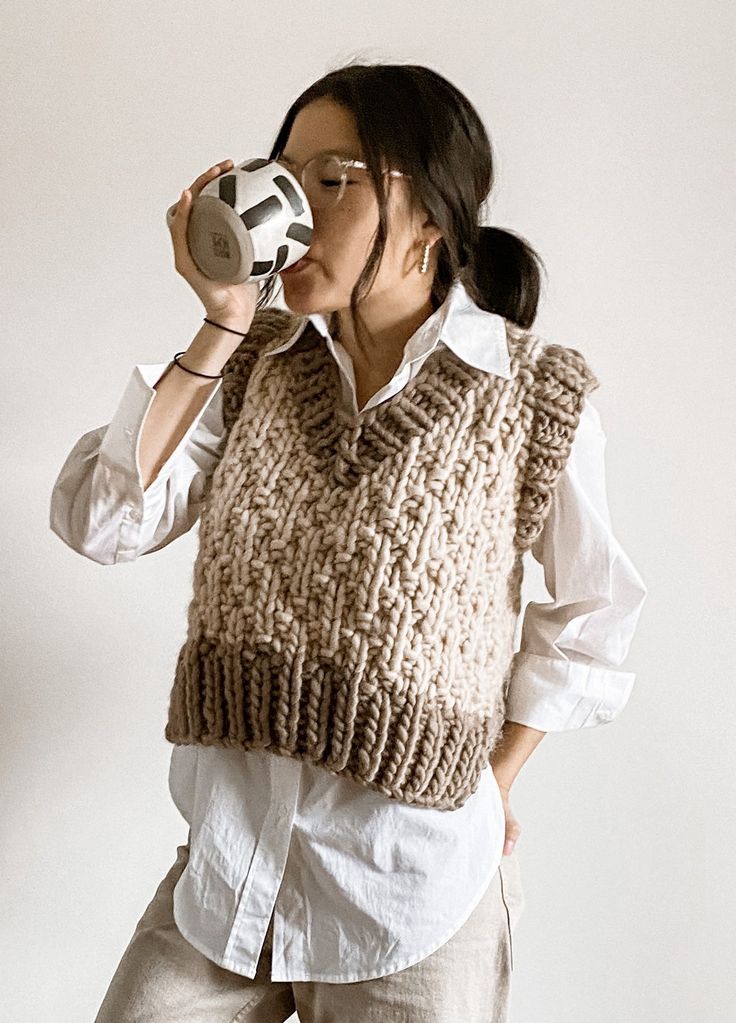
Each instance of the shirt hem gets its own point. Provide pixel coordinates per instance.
(228, 963)
(403, 965)
(225, 961)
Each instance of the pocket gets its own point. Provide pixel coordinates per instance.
(512, 893)
(175, 871)
(159, 909)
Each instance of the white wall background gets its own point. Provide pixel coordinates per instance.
(613, 124)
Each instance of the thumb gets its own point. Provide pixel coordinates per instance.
(513, 830)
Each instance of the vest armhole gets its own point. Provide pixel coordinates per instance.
(562, 381)
(268, 326)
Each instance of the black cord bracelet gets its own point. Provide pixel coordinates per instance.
(210, 376)
(225, 328)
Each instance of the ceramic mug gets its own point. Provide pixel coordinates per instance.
(249, 223)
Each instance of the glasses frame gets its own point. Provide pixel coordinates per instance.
(345, 164)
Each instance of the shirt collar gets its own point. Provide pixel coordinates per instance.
(475, 335)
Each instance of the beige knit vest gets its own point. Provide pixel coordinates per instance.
(357, 583)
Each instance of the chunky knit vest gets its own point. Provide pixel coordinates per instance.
(357, 583)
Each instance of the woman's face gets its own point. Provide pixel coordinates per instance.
(343, 235)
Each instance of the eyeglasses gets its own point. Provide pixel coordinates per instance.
(328, 177)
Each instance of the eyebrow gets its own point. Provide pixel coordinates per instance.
(322, 152)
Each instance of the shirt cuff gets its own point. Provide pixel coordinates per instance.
(553, 695)
(119, 447)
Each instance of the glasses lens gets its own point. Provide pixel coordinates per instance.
(324, 182)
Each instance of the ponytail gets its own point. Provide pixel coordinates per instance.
(505, 273)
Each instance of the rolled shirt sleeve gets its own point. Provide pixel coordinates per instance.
(567, 672)
(98, 506)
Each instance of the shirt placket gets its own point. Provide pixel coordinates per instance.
(267, 866)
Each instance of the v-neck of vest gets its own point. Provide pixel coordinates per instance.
(354, 445)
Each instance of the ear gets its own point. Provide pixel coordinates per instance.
(431, 233)
(426, 230)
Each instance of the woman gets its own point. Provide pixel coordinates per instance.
(368, 469)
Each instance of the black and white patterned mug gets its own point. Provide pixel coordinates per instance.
(249, 224)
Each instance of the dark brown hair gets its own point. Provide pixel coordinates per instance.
(410, 118)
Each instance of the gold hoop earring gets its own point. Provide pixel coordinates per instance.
(425, 259)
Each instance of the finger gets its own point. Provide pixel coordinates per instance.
(180, 209)
(513, 830)
(212, 172)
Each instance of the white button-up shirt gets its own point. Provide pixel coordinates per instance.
(359, 885)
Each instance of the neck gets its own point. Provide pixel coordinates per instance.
(382, 332)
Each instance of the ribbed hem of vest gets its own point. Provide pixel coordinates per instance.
(396, 743)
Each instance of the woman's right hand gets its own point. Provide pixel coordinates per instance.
(234, 305)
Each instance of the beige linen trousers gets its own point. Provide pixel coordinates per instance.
(161, 978)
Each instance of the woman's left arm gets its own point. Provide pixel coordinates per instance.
(567, 672)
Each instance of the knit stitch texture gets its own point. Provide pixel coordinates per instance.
(358, 579)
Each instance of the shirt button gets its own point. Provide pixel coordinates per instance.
(134, 515)
(128, 432)
(605, 715)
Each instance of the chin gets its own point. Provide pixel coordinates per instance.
(300, 304)
(300, 299)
